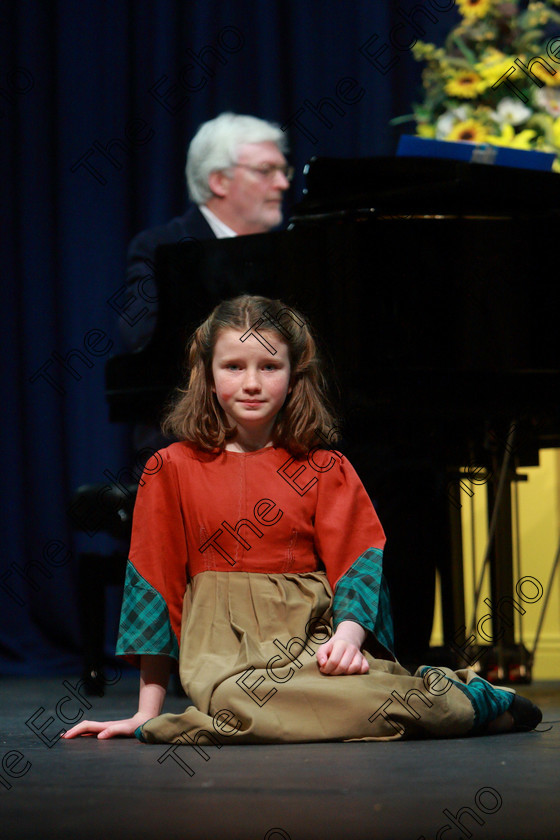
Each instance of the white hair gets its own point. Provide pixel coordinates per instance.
(215, 146)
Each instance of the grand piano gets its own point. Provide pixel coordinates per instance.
(433, 288)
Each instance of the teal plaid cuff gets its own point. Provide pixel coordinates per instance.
(488, 701)
(144, 625)
(362, 595)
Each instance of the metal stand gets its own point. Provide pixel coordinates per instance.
(502, 659)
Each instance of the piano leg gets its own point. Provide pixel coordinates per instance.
(511, 658)
(451, 576)
(501, 564)
(497, 655)
(414, 516)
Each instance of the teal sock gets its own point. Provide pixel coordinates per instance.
(487, 701)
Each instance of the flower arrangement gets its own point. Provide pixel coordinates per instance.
(461, 103)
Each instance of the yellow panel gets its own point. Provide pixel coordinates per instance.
(539, 531)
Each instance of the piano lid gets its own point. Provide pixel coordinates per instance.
(423, 186)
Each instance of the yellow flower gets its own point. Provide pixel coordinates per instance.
(509, 138)
(468, 130)
(466, 84)
(493, 68)
(474, 8)
(542, 73)
(556, 132)
(425, 130)
(492, 54)
(422, 50)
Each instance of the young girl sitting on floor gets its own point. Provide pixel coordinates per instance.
(242, 533)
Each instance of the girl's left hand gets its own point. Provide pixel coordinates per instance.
(342, 654)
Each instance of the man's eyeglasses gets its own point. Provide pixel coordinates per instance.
(268, 170)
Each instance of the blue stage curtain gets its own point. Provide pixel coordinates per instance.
(97, 103)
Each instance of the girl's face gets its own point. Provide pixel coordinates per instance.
(251, 382)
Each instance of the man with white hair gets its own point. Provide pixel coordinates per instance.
(237, 173)
(236, 176)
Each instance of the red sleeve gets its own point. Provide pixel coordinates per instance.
(346, 524)
(157, 573)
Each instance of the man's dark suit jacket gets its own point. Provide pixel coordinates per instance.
(141, 283)
(140, 267)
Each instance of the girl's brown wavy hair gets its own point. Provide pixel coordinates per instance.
(306, 417)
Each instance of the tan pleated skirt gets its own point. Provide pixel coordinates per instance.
(248, 663)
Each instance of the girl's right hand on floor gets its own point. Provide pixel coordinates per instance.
(108, 728)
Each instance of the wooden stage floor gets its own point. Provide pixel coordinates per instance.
(504, 786)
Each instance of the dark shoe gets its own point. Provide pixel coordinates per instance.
(526, 716)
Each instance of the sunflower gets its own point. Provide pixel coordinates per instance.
(466, 84)
(474, 8)
(470, 131)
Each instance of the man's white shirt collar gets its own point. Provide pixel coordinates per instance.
(221, 230)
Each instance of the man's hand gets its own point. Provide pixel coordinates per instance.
(342, 653)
